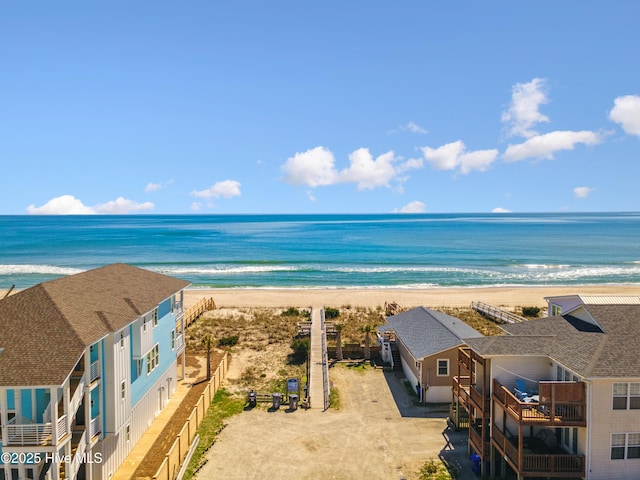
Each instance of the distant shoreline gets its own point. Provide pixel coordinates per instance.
(373, 297)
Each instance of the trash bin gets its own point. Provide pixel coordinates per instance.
(252, 398)
(293, 401)
(276, 397)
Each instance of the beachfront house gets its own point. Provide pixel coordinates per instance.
(424, 343)
(86, 363)
(557, 396)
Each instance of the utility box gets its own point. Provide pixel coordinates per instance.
(252, 398)
(293, 401)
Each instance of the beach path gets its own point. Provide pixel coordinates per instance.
(318, 361)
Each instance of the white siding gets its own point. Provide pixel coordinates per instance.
(602, 422)
(508, 369)
(115, 448)
(438, 395)
(117, 371)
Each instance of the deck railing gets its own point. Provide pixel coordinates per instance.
(538, 464)
(464, 359)
(95, 427)
(94, 371)
(25, 434)
(558, 403)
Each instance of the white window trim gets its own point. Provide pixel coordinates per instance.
(153, 358)
(628, 397)
(438, 367)
(625, 446)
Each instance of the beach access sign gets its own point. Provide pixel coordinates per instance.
(293, 385)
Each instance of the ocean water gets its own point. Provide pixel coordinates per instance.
(270, 251)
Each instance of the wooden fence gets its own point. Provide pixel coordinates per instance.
(176, 455)
(194, 312)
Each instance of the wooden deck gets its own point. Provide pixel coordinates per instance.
(497, 314)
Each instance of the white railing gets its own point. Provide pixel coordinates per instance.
(179, 343)
(94, 371)
(62, 427)
(95, 427)
(30, 434)
(77, 395)
(77, 456)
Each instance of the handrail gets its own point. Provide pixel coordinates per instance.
(497, 313)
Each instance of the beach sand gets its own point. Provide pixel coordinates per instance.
(373, 297)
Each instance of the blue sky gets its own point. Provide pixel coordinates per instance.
(319, 107)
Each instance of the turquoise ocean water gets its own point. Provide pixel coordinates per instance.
(408, 251)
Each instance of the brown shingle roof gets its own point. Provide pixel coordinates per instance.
(44, 329)
(589, 352)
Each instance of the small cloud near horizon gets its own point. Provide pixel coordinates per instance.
(501, 210)
(152, 187)
(582, 192)
(412, 207)
(70, 205)
(224, 189)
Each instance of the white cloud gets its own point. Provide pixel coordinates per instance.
(311, 196)
(454, 155)
(70, 205)
(225, 189)
(582, 192)
(544, 146)
(500, 210)
(368, 173)
(122, 205)
(314, 168)
(523, 112)
(412, 207)
(413, 128)
(152, 187)
(626, 112)
(196, 206)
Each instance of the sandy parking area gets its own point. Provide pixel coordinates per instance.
(378, 433)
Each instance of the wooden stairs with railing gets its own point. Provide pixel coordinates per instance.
(397, 361)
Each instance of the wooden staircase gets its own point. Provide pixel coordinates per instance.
(397, 362)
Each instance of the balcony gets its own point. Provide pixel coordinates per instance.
(460, 387)
(532, 458)
(464, 358)
(480, 402)
(94, 371)
(558, 404)
(480, 445)
(28, 434)
(179, 343)
(95, 427)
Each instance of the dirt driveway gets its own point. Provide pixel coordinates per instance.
(378, 433)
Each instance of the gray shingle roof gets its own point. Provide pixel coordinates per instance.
(589, 352)
(426, 332)
(44, 329)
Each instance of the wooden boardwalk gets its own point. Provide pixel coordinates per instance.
(319, 365)
(497, 314)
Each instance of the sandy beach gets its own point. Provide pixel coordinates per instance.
(373, 297)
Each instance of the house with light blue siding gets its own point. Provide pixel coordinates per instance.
(86, 363)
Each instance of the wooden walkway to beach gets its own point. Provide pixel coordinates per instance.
(319, 361)
(497, 314)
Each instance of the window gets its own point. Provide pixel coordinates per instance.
(121, 339)
(153, 358)
(155, 318)
(144, 324)
(556, 310)
(443, 367)
(173, 339)
(139, 362)
(625, 446)
(626, 396)
(123, 390)
(128, 432)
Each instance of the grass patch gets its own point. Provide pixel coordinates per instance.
(224, 405)
(334, 398)
(436, 470)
